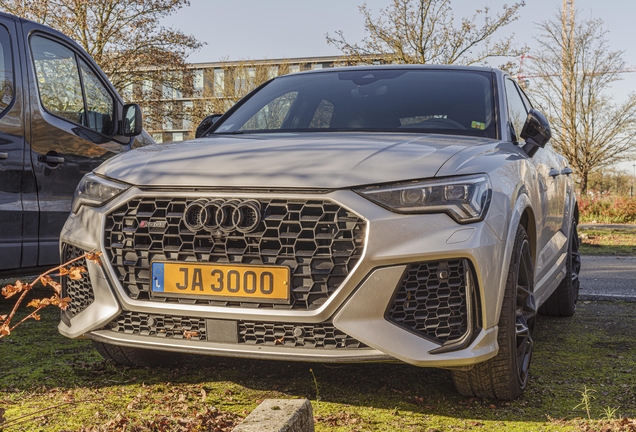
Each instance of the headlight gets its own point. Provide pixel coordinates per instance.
(96, 191)
(465, 198)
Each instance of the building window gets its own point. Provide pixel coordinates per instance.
(146, 87)
(187, 115)
(177, 136)
(244, 80)
(219, 82)
(158, 137)
(172, 89)
(167, 123)
(294, 68)
(198, 83)
(317, 66)
(272, 72)
(127, 92)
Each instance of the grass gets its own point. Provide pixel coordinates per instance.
(595, 351)
(596, 241)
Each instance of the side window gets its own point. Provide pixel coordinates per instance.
(272, 115)
(60, 86)
(322, 116)
(58, 79)
(516, 108)
(525, 100)
(99, 102)
(6, 70)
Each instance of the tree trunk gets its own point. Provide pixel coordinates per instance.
(583, 182)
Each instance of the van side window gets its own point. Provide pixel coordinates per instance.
(99, 102)
(6, 70)
(58, 79)
(60, 86)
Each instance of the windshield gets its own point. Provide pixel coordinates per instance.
(380, 100)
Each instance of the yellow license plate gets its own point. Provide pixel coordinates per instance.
(221, 281)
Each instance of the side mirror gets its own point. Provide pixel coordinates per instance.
(536, 132)
(206, 124)
(132, 123)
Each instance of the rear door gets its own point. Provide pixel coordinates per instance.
(11, 147)
(74, 112)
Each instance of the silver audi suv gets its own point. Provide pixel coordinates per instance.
(387, 213)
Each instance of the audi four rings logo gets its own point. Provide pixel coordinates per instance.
(227, 216)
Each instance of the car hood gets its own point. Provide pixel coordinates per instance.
(307, 160)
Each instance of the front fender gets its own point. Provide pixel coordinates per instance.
(521, 205)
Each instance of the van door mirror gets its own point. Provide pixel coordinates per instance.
(132, 121)
(206, 124)
(536, 132)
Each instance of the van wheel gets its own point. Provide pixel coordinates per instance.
(505, 376)
(562, 302)
(134, 357)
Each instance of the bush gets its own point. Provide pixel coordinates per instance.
(607, 210)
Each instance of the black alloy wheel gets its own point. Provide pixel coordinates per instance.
(505, 375)
(525, 313)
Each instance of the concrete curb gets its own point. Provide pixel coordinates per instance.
(279, 415)
(626, 227)
(607, 297)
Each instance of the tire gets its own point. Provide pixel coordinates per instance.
(134, 357)
(505, 376)
(562, 302)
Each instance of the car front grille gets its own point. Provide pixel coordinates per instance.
(320, 336)
(296, 335)
(319, 240)
(80, 291)
(163, 326)
(431, 300)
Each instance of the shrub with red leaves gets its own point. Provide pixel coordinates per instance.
(609, 210)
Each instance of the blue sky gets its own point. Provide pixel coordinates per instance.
(250, 29)
(256, 29)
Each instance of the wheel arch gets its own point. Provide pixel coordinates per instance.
(528, 222)
(522, 214)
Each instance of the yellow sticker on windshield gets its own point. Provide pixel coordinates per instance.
(478, 125)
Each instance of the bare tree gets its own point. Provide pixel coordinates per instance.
(424, 31)
(574, 69)
(125, 38)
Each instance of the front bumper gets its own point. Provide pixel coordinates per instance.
(357, 309)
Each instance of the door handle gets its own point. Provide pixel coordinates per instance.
(554, 173)
(4, 155)
(566, 171)
(51, 159)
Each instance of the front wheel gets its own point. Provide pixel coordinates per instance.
(505, 376)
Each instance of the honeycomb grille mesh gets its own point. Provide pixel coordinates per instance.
(431, 300)
(163, 326)
(318, 240)
(80, 290)
(296, 335)
(323, 335)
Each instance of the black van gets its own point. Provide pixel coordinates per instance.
(60, 118)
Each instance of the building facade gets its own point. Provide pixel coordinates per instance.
(173, 110)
